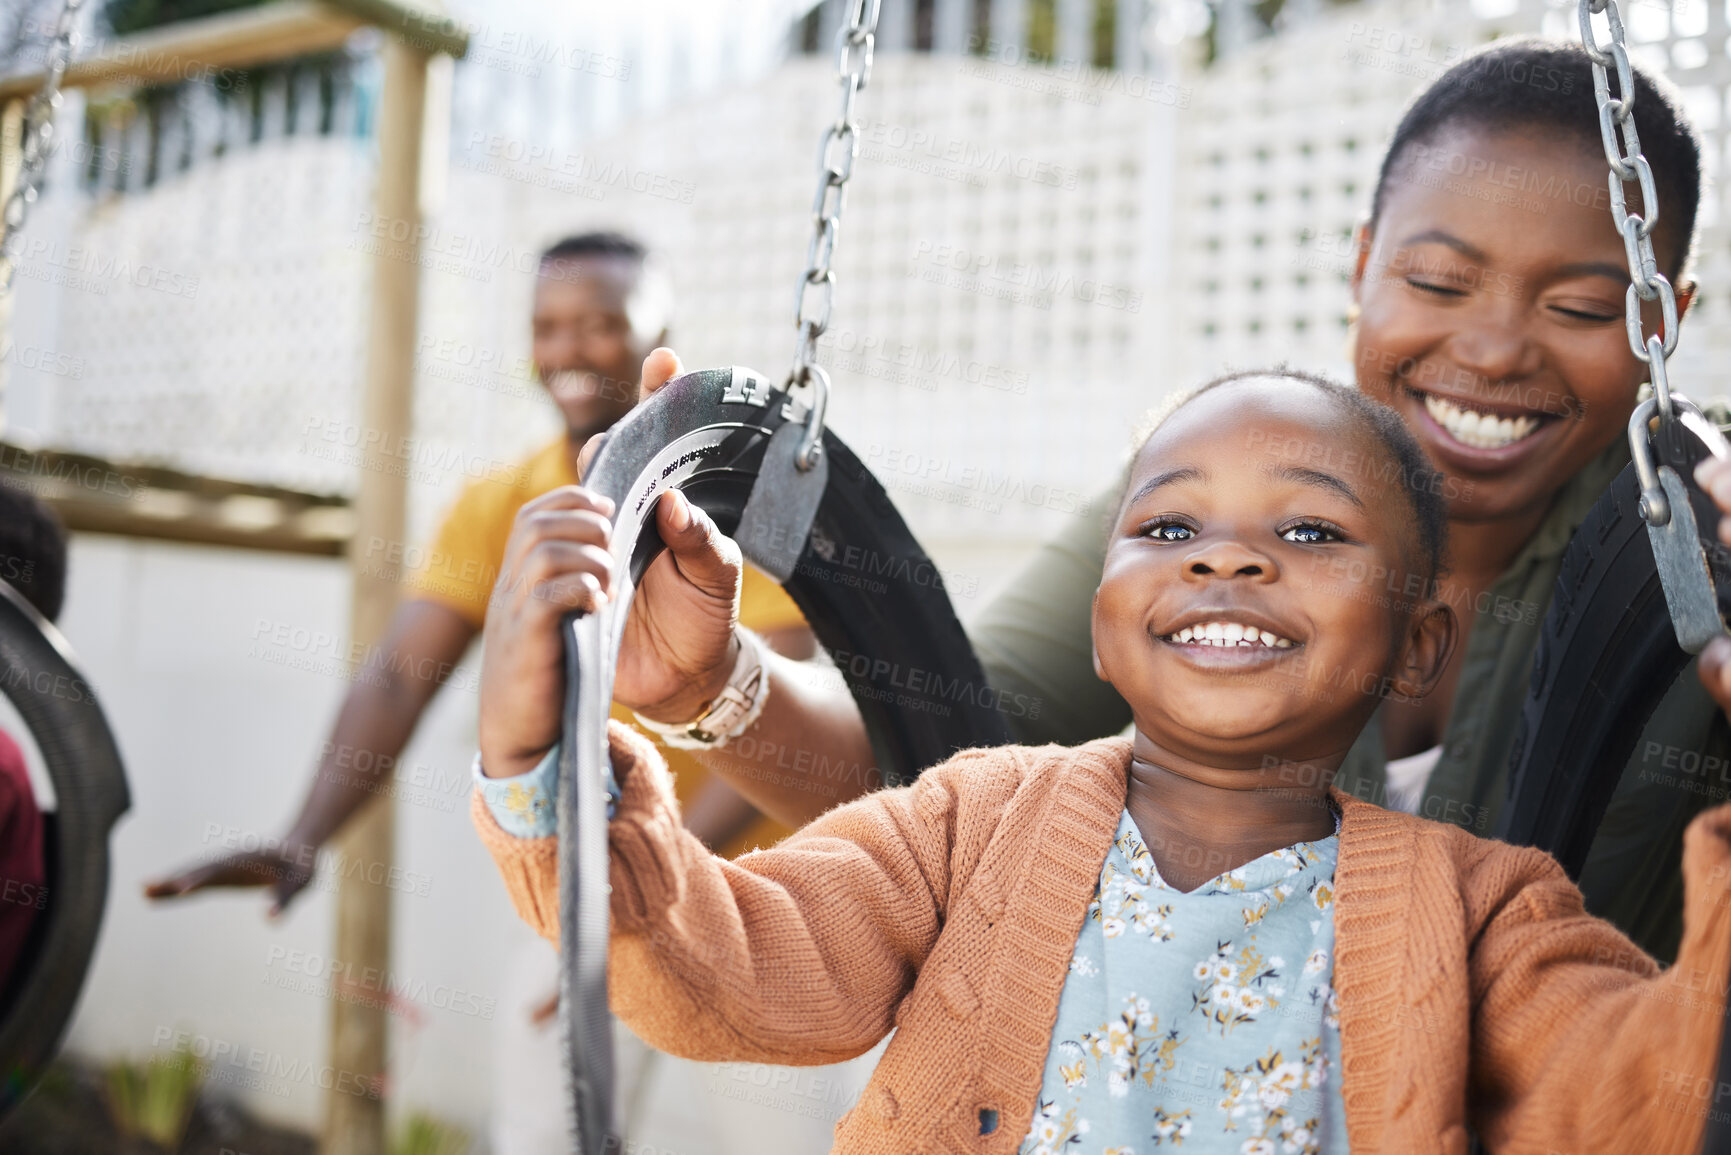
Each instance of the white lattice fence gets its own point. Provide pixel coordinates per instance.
(1031, 256)
(220, 315)
(219, 320)
(1279, 161)
(997, 305)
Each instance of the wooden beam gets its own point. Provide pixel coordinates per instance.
(429, 29)
(95, 495)
(289, 537)
(355, 1125)
(191, 49)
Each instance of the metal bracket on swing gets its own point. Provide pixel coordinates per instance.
(777, 517)
(1671, 529)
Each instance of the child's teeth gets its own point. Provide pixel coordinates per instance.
(1480, 430)
(1228, 634)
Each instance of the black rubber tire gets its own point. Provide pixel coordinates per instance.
(898, 646)
(1607, 655)
(39, 676)
(903, 625)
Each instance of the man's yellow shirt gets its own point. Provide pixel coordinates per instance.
(460, 567)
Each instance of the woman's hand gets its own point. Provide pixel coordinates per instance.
(678, 647)
(1714, 476)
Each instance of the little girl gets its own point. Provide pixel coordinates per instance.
(1185, 938)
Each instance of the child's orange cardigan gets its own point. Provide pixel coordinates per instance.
(1472, 986)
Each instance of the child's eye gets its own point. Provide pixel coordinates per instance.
(1309, 533)
(1168, 531)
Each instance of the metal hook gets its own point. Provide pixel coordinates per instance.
(1655, 506)
(810, 446)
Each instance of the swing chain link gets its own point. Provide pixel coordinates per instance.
(1646, 282)
(36, 141)
(836, 153)
(1617, 115)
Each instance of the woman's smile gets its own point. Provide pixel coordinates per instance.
(1471, 436)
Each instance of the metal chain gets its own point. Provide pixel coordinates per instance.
(835, 157)
(1627, 164)
(36, 141)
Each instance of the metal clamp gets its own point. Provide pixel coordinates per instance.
(811, 444)
(1671, 528)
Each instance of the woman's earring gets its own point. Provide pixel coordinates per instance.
(1350, 349)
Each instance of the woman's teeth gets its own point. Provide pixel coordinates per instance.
(1227, 634)
(1479, 430)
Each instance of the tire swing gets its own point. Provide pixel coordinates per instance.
(40, 677)
(1631, 608)
(802, 507)
(41, 680)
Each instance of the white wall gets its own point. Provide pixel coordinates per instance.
(216, 740)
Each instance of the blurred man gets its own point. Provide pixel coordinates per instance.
(599, 309)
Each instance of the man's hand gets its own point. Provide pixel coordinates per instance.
(678, 647)
(425, 641)
(1714, 476)
(285, 869)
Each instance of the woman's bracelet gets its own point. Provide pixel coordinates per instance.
(732, 711)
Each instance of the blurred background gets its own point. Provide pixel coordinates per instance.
(1062, 210)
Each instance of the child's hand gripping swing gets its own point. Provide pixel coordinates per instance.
(796, 499)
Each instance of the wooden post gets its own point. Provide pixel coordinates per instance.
(11, 160)
(355, 1124)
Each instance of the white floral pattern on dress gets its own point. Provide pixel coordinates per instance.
(1203, 1020)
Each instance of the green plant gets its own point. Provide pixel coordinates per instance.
(424, 1134)
(153, 1100)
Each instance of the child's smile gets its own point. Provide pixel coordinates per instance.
(1244, 607)
(1229, 637)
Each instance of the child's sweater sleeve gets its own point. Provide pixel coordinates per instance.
(799, 954)
(1579, 1044)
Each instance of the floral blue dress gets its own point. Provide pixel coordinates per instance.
(1204, 1020)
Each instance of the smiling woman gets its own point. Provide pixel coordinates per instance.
(1498, 334)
